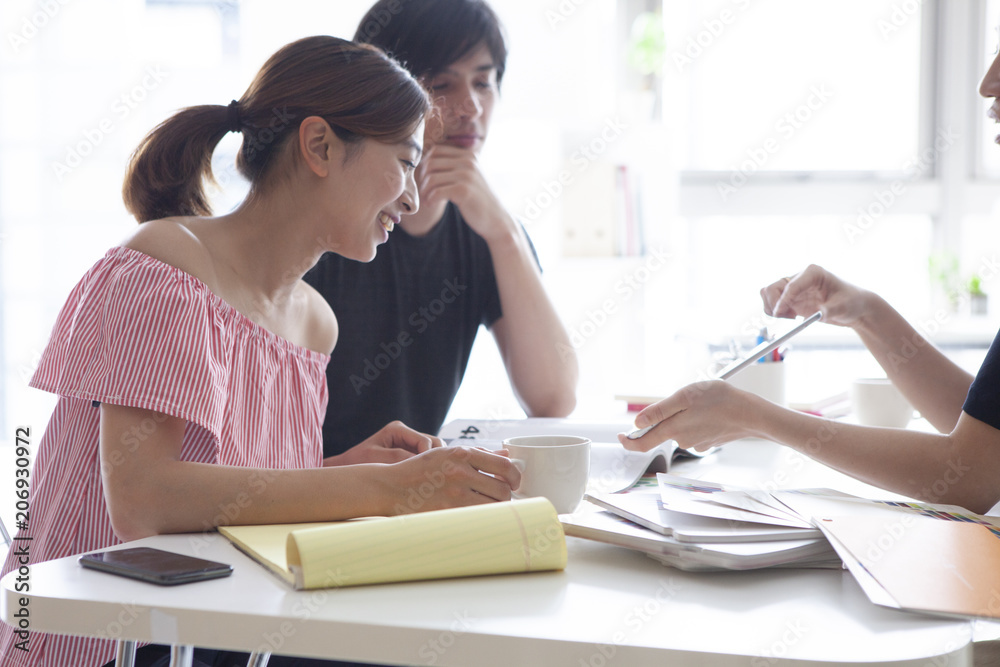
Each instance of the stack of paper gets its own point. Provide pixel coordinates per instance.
(928, 558)
(694, 525)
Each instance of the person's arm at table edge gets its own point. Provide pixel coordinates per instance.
(534, 345)
(149, 490)
(933, 384)
(957, 468)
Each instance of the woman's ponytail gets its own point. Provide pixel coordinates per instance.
(355, 88)
(165, 175)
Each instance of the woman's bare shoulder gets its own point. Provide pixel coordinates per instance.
(322, 328)
(172, 241)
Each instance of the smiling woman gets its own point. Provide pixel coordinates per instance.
(189, 362)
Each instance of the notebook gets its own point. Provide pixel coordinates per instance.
(496, 538)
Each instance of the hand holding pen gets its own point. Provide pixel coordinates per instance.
(762, 350)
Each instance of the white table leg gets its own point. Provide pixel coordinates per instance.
(258, 659)
(125, 653)
(181, 656)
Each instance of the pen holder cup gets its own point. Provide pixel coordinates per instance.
(767, 380)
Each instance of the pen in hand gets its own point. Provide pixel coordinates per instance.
(757, 353)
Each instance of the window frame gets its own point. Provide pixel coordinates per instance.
(956, 184)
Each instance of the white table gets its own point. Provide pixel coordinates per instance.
(611, 606)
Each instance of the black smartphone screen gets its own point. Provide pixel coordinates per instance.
(155, 565)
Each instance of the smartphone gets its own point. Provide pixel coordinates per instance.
(155, 565)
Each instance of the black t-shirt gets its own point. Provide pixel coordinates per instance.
(983, 401)
(407, 321)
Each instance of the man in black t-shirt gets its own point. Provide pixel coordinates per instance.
(409, 318)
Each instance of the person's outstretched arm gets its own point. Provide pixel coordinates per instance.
(533, 342)
(959, 468)
(932, 383)
(149, 490)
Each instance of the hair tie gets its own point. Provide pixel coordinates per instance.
(235, 122)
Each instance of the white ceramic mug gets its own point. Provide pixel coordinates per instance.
(553, 466)
(877, 402)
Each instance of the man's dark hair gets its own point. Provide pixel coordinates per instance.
(427, 36)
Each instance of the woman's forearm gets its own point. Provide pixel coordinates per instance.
(182, 496)
(932, 383)
(955, 468)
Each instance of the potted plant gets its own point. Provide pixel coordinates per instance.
(943, 268)
(978, 301)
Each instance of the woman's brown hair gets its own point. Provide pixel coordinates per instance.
(358, 90)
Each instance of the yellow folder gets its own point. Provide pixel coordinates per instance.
(944, 567)
(497, 538)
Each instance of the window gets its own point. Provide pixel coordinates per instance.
(794, 86)
(773, 134)
(848, 134)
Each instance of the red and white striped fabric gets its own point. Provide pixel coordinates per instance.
(141, 333)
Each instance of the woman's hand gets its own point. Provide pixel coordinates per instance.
(393, 443)
(699, 416)
(816, 289)
(449, 477)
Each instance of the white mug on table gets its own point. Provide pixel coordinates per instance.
(554, 466)
(877, 402)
